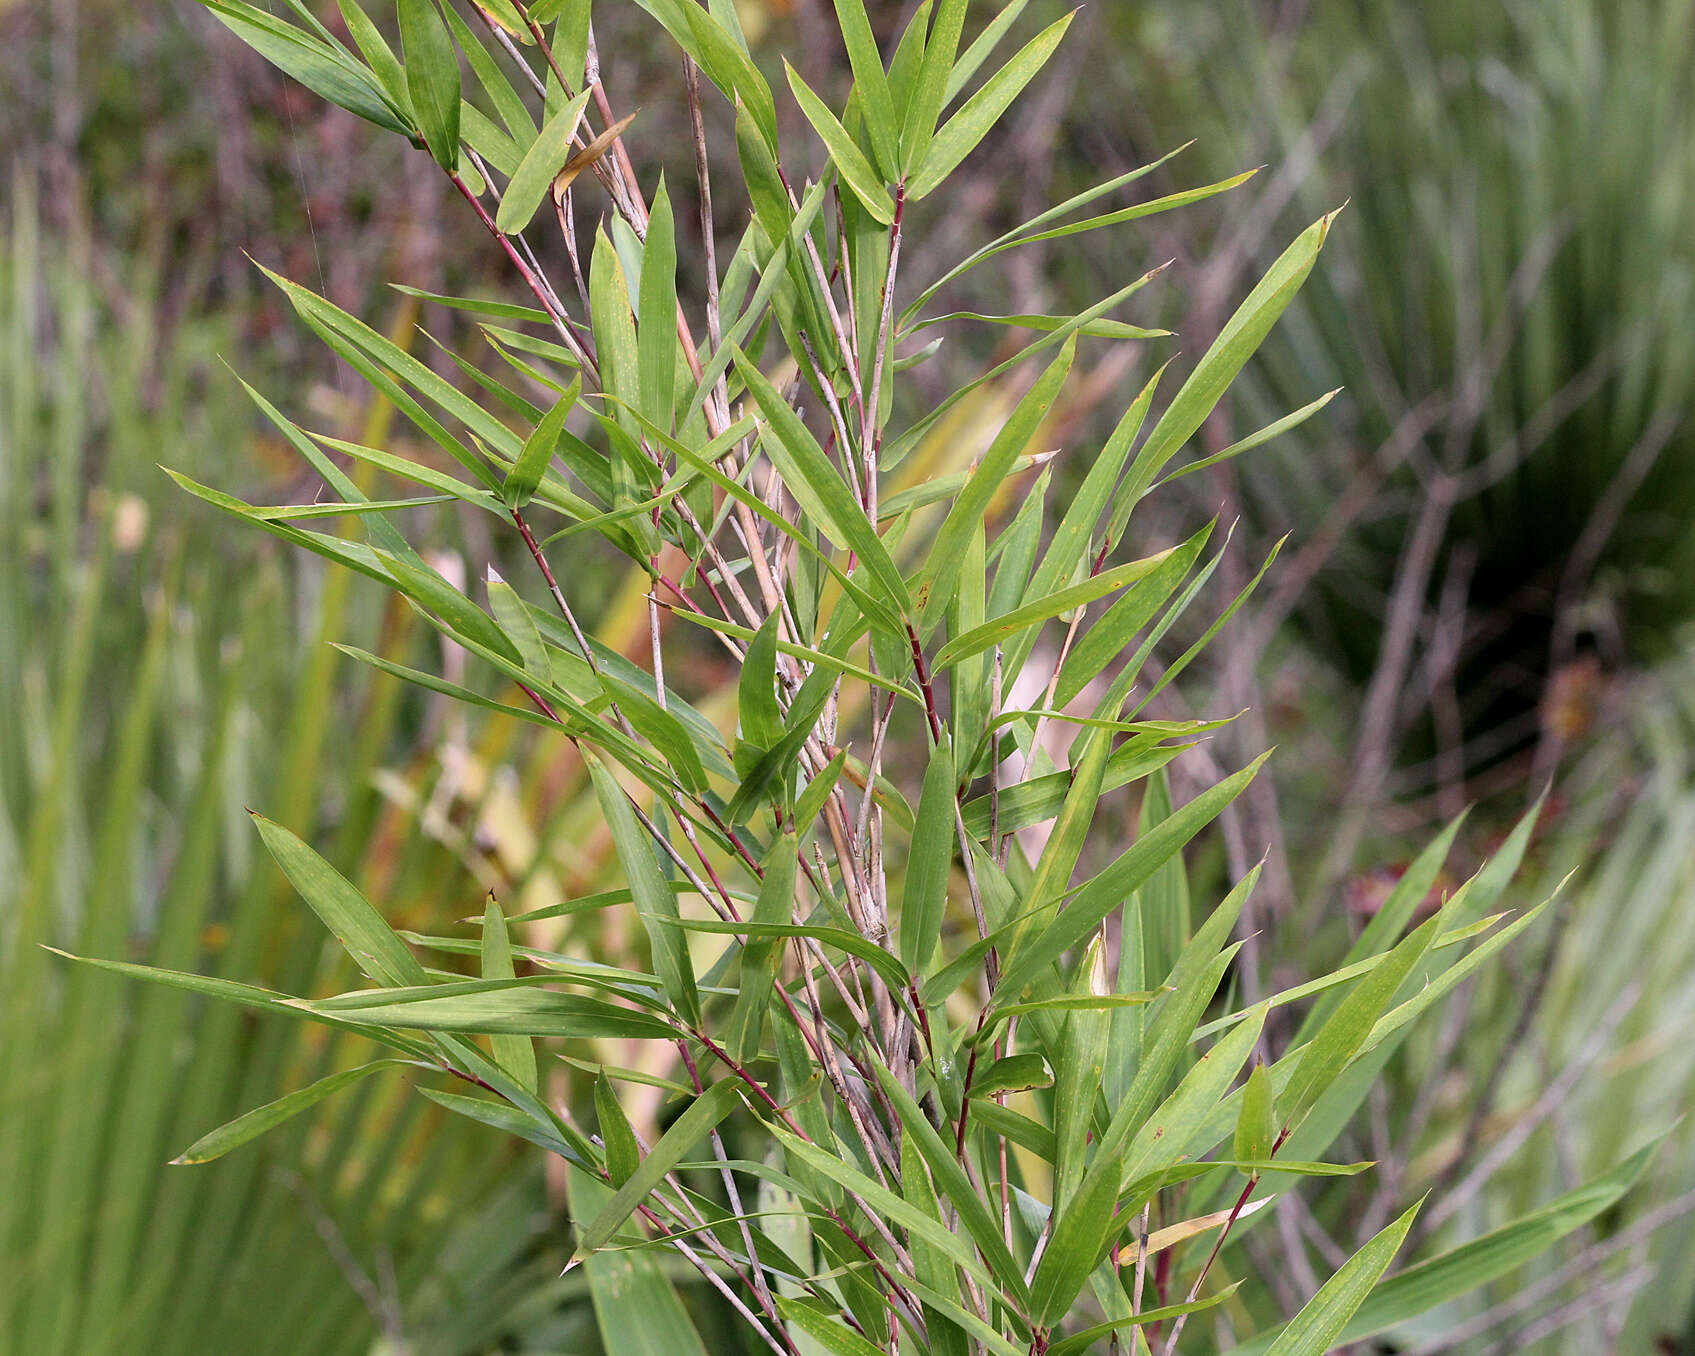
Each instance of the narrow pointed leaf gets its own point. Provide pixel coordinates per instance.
(687, 1131)
(256, 1122)
(432, 78)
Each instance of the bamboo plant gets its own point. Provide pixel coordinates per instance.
(1001, 1088)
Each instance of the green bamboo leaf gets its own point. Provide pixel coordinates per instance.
(1341, 1038)
(1169, 1134)
(1255, 1127)
(381, 356)
(1255, 439)
(1013, 1073)
(961, 133)
(972, 59)
(425, 586)
(930, 91)
(432, 78)
(1107, 891)
(1165, 1042)
(825, 1330)
(618, 353)
(1064, 1003)
(893, 972)
(810, 803)
(656, 333)
(502, 1117)
(636, 1305)
(295, 512)
(378, 54)
(517, 624)
(545, 157)
(1040, 798)
(729, 66)
(940, 575)
(502, 310)
(515, 1054)
(654, 900)
(955, 1188)
(850, 162)
(1079, 1070)
(508, 103)
(538, 450)
(1078, 1343)
(761, 956)
(345, 912)
(832, 662)
(623, 1154)
(871, 84)
(243, 995)
(1092, 329)
(924, 896)
(931, 1265)
(1224, 359)
(701, 1117)
(906, 64)
(522, 1010)
(431, 683)
(323, 68)
(1039, 610)
(1423, 1286)
(756, 691)
(1079, 1240)
(910, 1216)
(1317, 1327)
(1011, 238)
(256, 1122)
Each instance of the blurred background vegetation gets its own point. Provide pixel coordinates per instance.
(1485, 596)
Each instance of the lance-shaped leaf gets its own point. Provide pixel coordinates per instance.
(940, 576)
(532, 463)
(345, 912)
(476, 1009)
(1038, 610)
(656, 334)
(1091, 904)
(930, 89)
(1078, 1072)
(256, 1122)
(850, 162)
(1340, 1039)
(833, 1336)
(1220, 364)
(655, 902)
(432, 79)
(1255, 1127)
(545, 157)
(961, 133)
(1316, 1328)
(1079, 1240)
(326, 70)
(702, 1116)
(955, 1188)
(924, 897)
(871, 84)
(623, 1154)
(761, 956)
(515, 1054)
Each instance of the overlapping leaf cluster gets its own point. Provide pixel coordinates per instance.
(994, 1108)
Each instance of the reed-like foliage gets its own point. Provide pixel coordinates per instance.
(1005, 1083)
